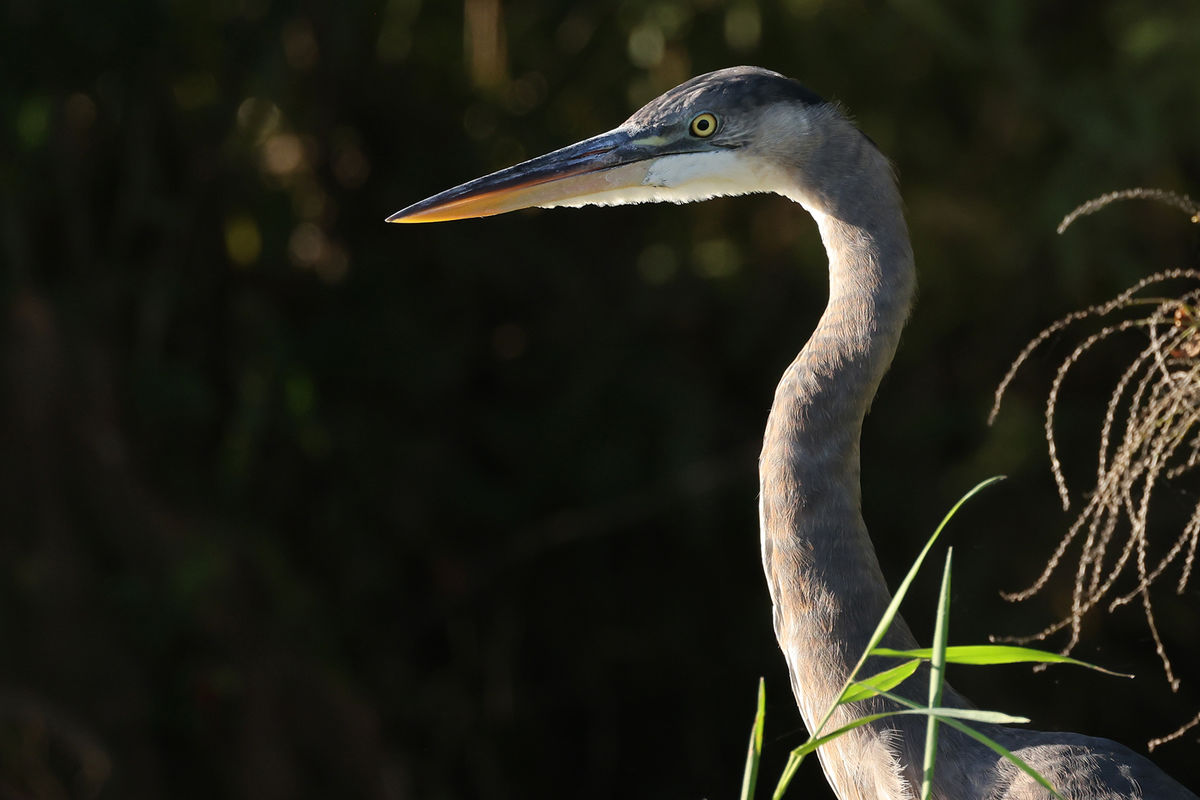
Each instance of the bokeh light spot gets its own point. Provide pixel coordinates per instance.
(743, 26)
(646, 45)
(717, 258)
(33, 122)
(310, 248)
(258, 118)
(804, 9)
(306, 244)
(243, 241)
(283, 154)
(657, 263)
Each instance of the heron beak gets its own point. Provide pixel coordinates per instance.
(596, 170)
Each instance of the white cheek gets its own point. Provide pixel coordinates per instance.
(699, 171)
(699, 176)
(688, 178)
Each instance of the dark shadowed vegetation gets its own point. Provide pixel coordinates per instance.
(301, 505)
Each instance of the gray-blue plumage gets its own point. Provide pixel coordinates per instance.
(744, 130)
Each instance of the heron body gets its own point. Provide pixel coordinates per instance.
(746, 130)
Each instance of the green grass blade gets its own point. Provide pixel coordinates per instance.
(950, 716)
(879, 682)
(954, 721)
(884, 623)
(812, 744)
(969, 714)
(987, 654)
(945, 714)
(789, 771)
(1005, 753)
(937, 678)
(890, 614)
(754, 753)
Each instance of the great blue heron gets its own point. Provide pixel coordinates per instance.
(746, 130)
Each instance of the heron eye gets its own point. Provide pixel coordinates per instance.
(703, 125)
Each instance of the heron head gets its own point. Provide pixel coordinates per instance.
(724, 133)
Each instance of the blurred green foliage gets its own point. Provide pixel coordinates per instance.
(299, 504)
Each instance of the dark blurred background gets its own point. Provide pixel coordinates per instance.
(299, 504)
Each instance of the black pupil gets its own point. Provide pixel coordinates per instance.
(702, 124)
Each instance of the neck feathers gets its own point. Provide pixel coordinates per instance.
(825, 582)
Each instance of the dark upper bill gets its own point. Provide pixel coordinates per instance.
(597, 170)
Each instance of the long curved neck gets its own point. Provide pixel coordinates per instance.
(824, 578)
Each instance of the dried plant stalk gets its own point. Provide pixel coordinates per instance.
(1151, 431)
